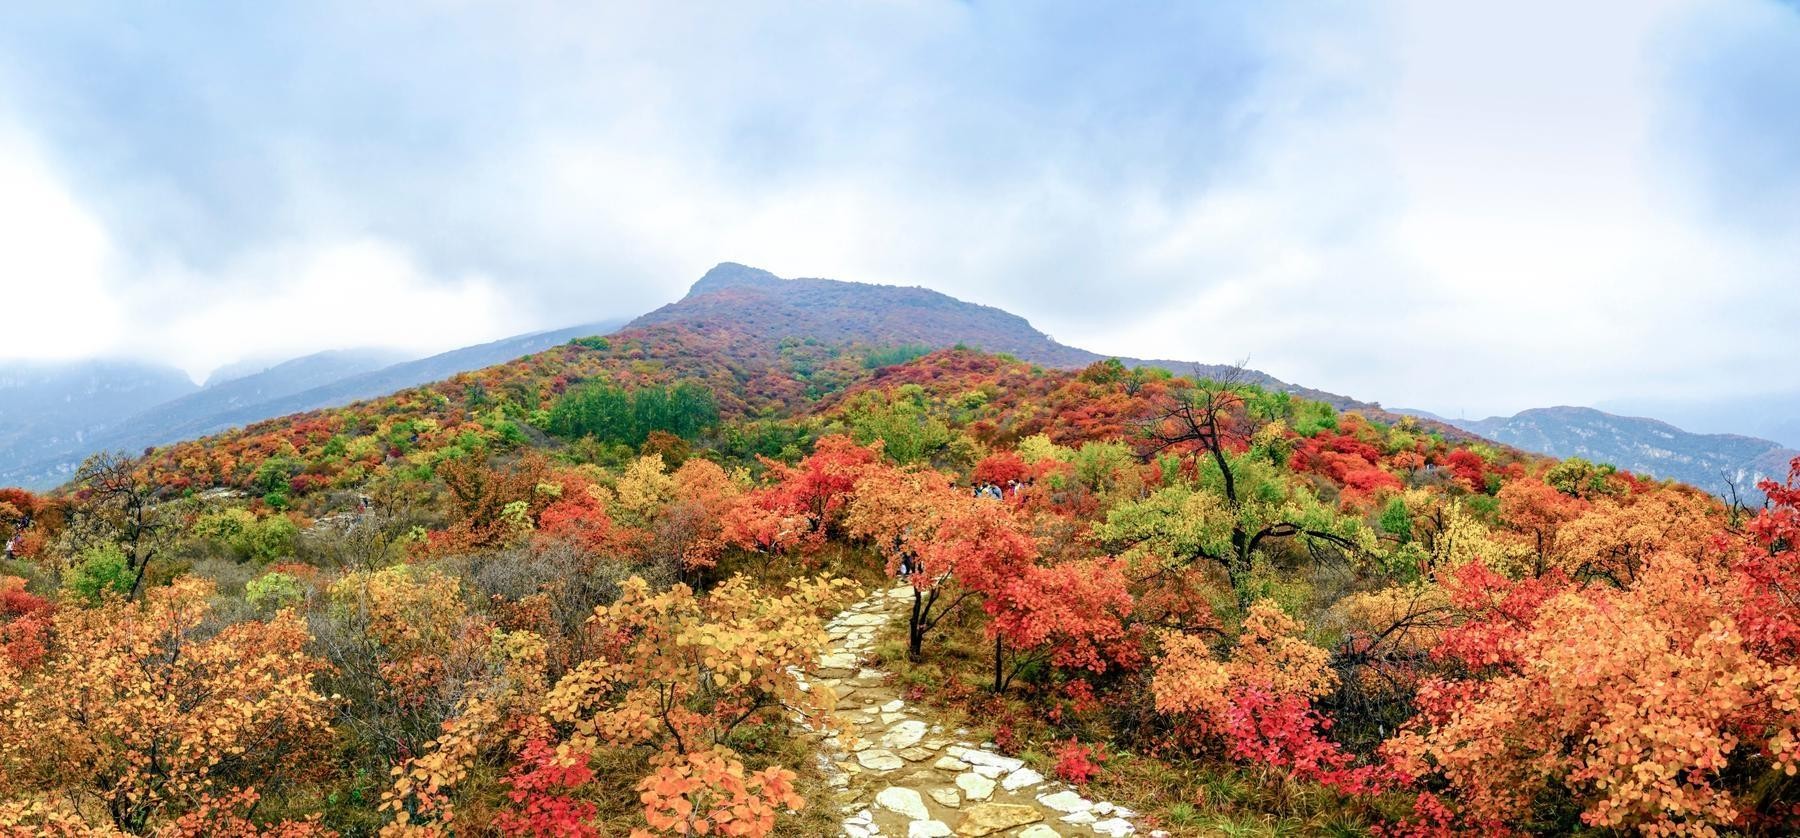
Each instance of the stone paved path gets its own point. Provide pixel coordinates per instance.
(898, 775)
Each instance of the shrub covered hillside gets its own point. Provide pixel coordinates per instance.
(570, 595)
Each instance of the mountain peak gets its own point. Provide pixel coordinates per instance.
(732, 275)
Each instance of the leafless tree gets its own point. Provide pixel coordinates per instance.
(115, 505)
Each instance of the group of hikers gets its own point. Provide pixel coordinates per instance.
(997, 491)
(909, 564)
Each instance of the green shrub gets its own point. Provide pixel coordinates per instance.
(274, 590)
(99, 571)
(613, 414)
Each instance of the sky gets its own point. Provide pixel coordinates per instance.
(1467, 208)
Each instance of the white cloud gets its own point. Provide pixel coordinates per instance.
(1493, 225)
(291, 300)
(1457, 207)
(55, 263)
(68, 292)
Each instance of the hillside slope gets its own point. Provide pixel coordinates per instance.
(836, 311)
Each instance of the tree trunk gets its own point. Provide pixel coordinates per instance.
(915, 630)
(999, 684)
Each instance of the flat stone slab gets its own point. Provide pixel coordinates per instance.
(1067, 802)
(839, 660)
(1115, 827)
(1020, 779)
(928, 829)
(974, 786)
(904, 735)
(1038, 830)
(903, 801)
(989, 818)
(879, 759)
(946, 797)
(976, 756)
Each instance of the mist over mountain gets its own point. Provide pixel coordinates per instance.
(279, 377)
(51, 406)
(61, 415)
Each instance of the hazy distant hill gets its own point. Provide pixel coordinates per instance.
(246, 380)
(1773, 416)
(50, 406)
(413, 373)
(326, 379)
(198, 413)
(835, 311)
(1644, 446)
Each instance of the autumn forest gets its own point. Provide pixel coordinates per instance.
(655, 583)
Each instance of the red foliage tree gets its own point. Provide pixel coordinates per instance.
(24, 624)
(807, 502)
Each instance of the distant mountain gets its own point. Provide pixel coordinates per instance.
(236, 370)
(1773, 416)
(835, 311)
(199, 413)
(1643, 446)
(277, 378)
(50, 406)
(413, 373)
(325, 379)
(296, 375)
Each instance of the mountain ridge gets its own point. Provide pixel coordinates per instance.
(1641, 444)
(892, 311)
